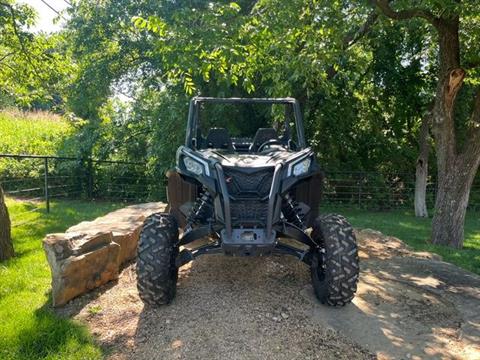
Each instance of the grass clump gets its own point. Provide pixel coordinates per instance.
(40, 132)
(26, 133)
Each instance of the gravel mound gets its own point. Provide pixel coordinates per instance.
(408, 306)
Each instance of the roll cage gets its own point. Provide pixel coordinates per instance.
(292, 104)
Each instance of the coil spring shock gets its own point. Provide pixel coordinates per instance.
(293, 212)
(201, 211)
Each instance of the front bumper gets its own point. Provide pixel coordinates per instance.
(248, 242)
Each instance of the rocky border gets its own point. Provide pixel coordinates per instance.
(91, 253)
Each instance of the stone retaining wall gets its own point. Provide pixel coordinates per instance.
(91, 253)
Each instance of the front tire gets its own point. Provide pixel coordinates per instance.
(335, 267)
(157, 251)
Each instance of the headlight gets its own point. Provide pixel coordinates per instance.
(302, 167)
(193, 166)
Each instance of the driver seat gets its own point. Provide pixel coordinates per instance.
(262, 135)
(219, 138)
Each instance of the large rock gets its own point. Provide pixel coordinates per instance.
(80, 263)
(91, 253)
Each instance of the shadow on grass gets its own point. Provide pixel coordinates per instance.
(52, 336)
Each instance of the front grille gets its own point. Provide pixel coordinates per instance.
(248, 195)
(249, 213)
(242, 184)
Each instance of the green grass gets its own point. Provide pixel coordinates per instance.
(416, 233)
(29, 328)
(39, 133)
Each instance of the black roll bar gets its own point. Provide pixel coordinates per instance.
(194, 107)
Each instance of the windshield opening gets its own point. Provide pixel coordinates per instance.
(245, 127)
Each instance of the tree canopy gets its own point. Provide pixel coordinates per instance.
(34, 68)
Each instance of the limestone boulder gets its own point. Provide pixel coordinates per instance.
(91, 253)
(80, 263)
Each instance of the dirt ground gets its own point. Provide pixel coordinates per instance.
(408, 306)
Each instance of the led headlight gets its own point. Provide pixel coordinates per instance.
(193, 166)
(302, 167)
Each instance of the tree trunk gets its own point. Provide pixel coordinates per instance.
(6, 246)
(455, 178)
(451, 205)
(421, 173)
(456, 170)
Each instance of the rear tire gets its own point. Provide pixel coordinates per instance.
(157, 251)
(335, 267)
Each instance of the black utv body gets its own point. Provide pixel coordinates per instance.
(246, 196)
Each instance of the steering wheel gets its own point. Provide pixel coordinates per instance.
(270, 142)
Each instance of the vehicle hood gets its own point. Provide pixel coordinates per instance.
(249, 160)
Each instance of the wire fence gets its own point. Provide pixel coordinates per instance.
(373, 190)
(39, 179)
(376, 191)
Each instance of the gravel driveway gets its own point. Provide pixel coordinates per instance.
(409, 305)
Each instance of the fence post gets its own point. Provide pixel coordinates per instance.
(90, 178)
(359, 183)
(47, 197)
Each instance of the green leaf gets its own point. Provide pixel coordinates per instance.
(235, 6)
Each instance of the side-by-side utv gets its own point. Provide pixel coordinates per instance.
(246, 187)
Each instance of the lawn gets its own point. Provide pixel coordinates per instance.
(29, 327)
(416, 233)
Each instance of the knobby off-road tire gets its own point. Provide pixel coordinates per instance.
(156, 254)
(335, 268)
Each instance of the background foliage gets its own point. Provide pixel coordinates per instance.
(122, 73)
